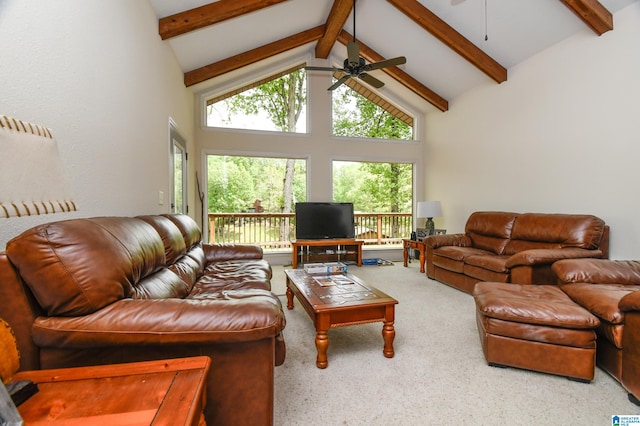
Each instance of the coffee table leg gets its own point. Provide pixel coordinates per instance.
(322, 343)
(388, 334)
(289, 296)
(388, 331)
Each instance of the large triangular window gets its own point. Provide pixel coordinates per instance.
(277, 103)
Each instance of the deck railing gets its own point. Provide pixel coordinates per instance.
(273, 231)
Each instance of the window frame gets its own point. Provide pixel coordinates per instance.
(210, 98)
(177, 142)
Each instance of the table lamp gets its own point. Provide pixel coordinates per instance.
(429, 209)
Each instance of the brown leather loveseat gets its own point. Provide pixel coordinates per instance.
(123, 289)
(513, 247)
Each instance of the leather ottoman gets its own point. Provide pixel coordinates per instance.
(535, 327)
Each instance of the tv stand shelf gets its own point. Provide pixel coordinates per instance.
(328, 250)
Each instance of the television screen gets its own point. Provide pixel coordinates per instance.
(315, 221)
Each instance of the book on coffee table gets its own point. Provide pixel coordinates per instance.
(328, 280)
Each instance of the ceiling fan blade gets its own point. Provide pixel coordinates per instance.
(310, 68)
(339, 82)
(353, 53)
(371, 80)
(386, 63)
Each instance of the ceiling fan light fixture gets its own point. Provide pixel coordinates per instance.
(356, 66)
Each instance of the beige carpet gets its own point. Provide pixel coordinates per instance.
(438, 375)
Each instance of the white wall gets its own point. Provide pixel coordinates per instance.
(97, 73)
(561, 135)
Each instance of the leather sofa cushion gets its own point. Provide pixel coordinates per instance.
(258, 268)
(448, 264)
(222, 252)
(532, 304)
(172, 238)
(481, 274)
(233, 275)
(492, 263)
(160, 285)
(488, 243)
(601, 299)
(539, 230)
(187, 269)
(490, 231)
(197, 254)
(487, 268)
(518, 246)
(240, 317)
(188, 227)
(452, 257)
(93, 262)
(459, 253)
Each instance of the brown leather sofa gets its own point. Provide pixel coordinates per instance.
(513, 247)
(610, 290)
(122, 289)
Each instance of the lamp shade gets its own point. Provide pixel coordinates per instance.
(429, 209)
(32, 181)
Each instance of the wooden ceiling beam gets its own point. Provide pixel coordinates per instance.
(247, 58)
(592, 13)
(402, 77)
(335, 22)
(450, 37)
(209, 14)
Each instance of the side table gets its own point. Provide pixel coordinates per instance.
(167, 392)
(416, 245)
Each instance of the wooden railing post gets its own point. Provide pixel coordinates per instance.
(212, 229)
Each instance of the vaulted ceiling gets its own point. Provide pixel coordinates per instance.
(450, 46)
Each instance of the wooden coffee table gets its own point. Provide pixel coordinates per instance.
(337, 305)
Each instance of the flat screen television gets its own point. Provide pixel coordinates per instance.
(316, 221)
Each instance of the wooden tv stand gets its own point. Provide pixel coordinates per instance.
(326, 250)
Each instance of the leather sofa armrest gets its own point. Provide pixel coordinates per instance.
(222, 252)
(165, 322)
(598, 271)
(630, 302)
(547, 256)
(435, 241)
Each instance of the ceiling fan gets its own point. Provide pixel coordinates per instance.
(356, 66)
